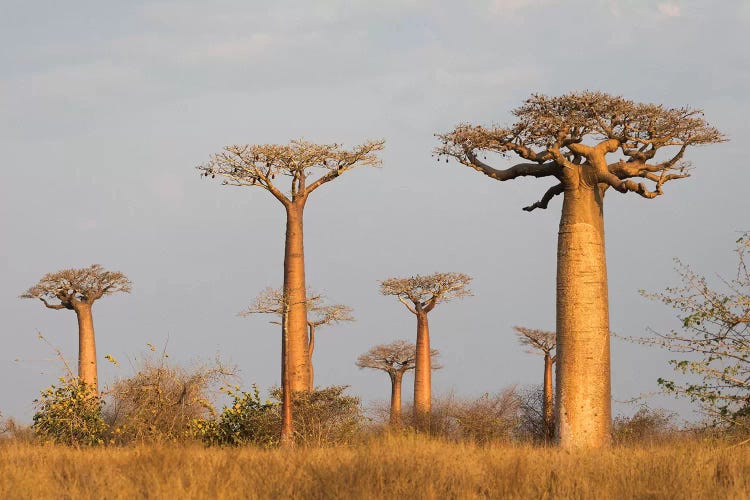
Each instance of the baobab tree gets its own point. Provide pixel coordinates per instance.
(271, 301)
(395, 359)
(77, 290)
(573, 139)
(420, 295)
(258, 165)
(543, 342)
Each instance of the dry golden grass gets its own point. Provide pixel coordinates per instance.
(387, 467)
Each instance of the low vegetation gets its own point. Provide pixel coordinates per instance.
(389, 466)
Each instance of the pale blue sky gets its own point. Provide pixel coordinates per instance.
(107, 107)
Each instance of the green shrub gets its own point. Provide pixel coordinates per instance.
(322, 417)
(70, 413)
(247, 420)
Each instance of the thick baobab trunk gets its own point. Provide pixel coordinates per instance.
(294, 294)
(86, 347)
(396, 378)
(422, 373)
(549, 421)
(583, 412)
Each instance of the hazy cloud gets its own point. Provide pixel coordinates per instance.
(670, 9)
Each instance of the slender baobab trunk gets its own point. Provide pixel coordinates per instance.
(583, 412)
(396, 378)
(86, 347)
(422, 373)
(311, 348)
(287, 426)
(549, 421)
(294, 294)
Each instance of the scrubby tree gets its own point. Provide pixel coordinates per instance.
(77, 290)
(588, 142)
(542, 341)
(259, 165)
(319, 314)
(420, 295)
(395, 359)
(714, 343)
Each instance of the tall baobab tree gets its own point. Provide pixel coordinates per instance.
(271, 301)
(573, 138)
(544, 342)
(77, 290)
(395, 359)
(258, 165)
(420, 295)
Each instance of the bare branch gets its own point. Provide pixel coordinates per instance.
(715, 338)
(551, 193)
(271, 301)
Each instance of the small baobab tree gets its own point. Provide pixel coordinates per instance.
(259, 165)
(420, 295)
(542, 341)
(319, 314)
(395, 359)
(77, 290)
(573, 139)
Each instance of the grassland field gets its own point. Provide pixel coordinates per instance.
(398, 466)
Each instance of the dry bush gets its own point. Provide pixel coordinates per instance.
(161, 401)
(489, 418)
(645, 426)
(531, 427)
(12, 431)
(324, 416)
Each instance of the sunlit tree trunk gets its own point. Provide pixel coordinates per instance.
(86, 347)
(311, 349)
(396, 378)
(422, 373)
(294, 293)
(583, 412)
(549, 421)
(287, 426)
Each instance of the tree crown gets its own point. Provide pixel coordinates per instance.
(536, 340)
(421, 293)
(259, 164)
(398, 356)
(271, 301)
(73, 287)
(559, 136)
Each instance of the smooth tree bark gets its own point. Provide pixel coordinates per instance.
(258, 166)
(420, 295)
(395, 359)
(542, 341)
(569, 138)
(77, 290)
(320, 314)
